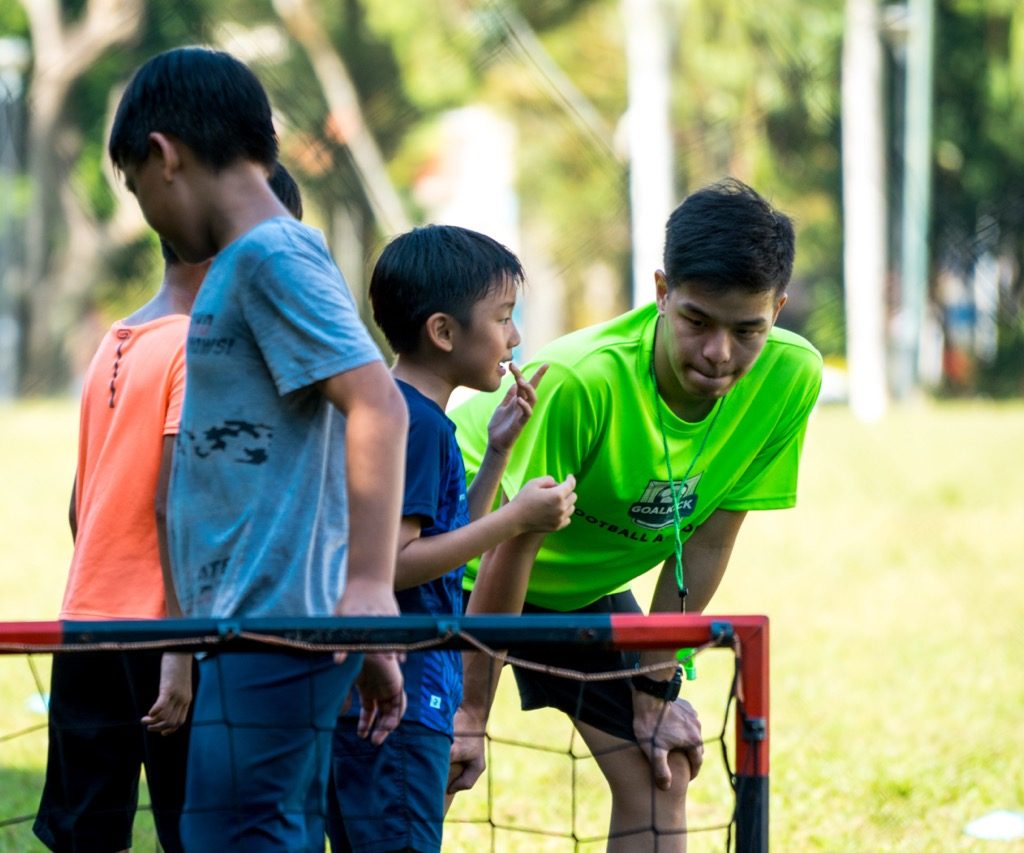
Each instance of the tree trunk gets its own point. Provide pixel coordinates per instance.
(346, 113)
(63, 239)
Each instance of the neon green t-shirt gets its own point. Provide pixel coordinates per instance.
(595, 418)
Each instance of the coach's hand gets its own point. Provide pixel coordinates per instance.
(171, 707)
(467, 758)
(661, 727)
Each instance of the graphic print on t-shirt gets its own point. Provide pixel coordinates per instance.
(653, 509)
(249, 442)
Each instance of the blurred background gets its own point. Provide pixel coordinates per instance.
(568, 129)
(892, 133)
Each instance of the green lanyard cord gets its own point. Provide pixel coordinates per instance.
(677, 495)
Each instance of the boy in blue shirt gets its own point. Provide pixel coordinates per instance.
(443, 296)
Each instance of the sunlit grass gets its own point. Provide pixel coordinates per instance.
(896, 595)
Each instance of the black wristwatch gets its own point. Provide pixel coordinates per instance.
(667, 691)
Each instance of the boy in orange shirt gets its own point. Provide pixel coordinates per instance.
(104, 721)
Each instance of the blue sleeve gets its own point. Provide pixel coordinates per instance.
(424, 458)
(303, 318)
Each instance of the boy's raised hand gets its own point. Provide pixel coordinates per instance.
(545, 505)
(514, 410)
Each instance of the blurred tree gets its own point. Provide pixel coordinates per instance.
(82, 50)
(555, 67)
(358, 97)
(979, 175)
(61, 234)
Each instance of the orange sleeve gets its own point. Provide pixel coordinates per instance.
(175, 392)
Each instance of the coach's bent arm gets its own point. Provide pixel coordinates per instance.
(658, 729)
(705, 557)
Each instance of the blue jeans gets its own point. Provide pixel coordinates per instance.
(260, 751)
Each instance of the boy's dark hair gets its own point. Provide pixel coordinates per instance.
(286, 190)
(436, 268)
(728, 236)
(206, 98)
(284, 187)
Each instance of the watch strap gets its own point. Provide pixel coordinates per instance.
(667, 691)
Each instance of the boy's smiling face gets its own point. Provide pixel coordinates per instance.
(488, 340)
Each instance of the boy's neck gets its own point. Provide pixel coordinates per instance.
(176, 294)
(238, 198)
(427, 381)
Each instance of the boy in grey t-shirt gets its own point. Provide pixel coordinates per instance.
(288, 410)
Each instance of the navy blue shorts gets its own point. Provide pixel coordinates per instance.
(97, 748)
(388, 797)
(605, 705)
(260, 751)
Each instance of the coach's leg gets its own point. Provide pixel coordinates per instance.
(644, 817)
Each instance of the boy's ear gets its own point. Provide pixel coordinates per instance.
(660, 290)
(440, 331)
(779, 303)
(165, 149)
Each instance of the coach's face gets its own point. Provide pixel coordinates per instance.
(708, 338)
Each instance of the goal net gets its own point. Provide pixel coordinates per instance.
(542, 789)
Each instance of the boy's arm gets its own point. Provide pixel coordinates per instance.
(175, 692)
(504, 428)
(500, 587)
(659, 729)
(483, 491)
(162, 487)
(375, 436)
(377, 423)
(543, 505)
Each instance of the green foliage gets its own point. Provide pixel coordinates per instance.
(756, 96)
(91, 180)
(979, 179)
(753, 94)
(981, 94)
(432, 48)
(13, 22)
(132, 277)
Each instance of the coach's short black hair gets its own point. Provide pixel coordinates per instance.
(206, 98)
(726, 235)
(436, 268)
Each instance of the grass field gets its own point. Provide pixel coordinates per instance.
(896, 594)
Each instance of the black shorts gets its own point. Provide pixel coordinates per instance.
(605, 705)
(97, 748)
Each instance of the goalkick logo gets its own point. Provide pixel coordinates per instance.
(654, 508)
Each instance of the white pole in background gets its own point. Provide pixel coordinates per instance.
(651, 191)
(917, 148)
(864, 211)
